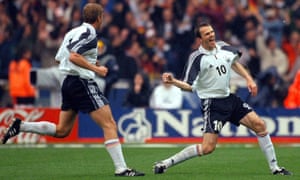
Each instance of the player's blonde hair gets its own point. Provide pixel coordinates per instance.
(91, 12)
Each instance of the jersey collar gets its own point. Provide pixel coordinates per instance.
(89, 26)
(209, 52)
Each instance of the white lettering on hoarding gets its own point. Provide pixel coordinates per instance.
(288, 126)
(226, 131)
(181, 125)
(285, 126)
(270, 123)
(135, 127)
(197, 124)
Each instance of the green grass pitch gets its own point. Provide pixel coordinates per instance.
(227, 162)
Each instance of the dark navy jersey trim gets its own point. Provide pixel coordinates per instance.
(232, 49)
(84, 35)
(194, 70)
(91, 45)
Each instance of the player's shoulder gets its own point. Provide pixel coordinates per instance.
(196, 53)
(229, 48)
(222, 43)
(71, 34)
(76, 30)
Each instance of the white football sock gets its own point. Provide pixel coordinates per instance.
(267, 147)
(187, 153)
(42, 127)
(114, 148)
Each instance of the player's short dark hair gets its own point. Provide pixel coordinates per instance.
(91, 12)
(197, 28)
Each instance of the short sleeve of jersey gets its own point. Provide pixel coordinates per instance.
(192, 67)
(83, 41)
(62, 52)
(236, 52)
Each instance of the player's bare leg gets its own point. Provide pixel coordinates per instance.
(64, 127)
(103, 117)
(208, 146)
(255, 123)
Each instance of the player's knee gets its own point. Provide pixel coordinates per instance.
(208, 149)
(260, 128)
(62, 133)
(111, 124)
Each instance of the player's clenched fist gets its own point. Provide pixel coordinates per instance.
(167, 77)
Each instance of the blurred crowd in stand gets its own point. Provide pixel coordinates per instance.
(140, 39)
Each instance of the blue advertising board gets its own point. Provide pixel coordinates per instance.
(150, 125)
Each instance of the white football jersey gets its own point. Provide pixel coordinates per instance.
(82, 40)
(209, 71)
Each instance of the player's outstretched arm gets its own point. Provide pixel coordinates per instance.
(170, 79)
(252, 87)
(80, 61)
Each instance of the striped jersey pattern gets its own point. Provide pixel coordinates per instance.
(82, 40)
(209, 71)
